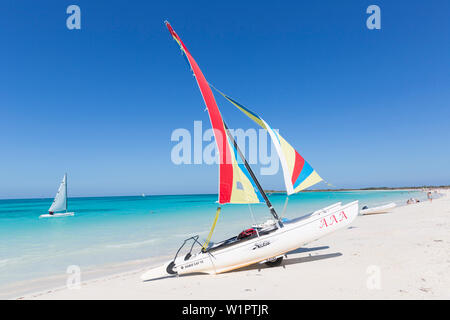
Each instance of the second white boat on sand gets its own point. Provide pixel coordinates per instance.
(377, 210)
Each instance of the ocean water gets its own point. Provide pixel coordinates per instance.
(111, 230)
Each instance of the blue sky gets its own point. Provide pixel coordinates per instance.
(364, 107)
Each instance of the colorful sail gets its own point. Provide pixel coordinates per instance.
(298, 174)
(235, 183)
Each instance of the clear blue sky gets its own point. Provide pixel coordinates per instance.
(365, 108)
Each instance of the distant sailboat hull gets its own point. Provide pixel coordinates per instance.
(229, 256)
(57, 215)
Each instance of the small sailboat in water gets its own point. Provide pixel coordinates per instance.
(262, 243)
(59, 205)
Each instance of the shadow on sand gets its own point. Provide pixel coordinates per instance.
(289, 261)
(286, 262)
(303, 250)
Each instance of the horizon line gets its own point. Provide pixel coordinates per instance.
(143, 195)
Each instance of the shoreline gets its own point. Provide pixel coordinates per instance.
(423, 189)
(374, 233)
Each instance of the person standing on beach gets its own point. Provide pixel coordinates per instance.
(430, 197)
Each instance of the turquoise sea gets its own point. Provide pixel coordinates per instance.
(112, 230)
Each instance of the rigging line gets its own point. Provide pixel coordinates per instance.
(285, 206)
(329, 184)
(253, 218)
(249, 206)
(223, 94)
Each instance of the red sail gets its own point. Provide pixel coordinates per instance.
(225, 165)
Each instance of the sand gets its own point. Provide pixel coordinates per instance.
(404, 254)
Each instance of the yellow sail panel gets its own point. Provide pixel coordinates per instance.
(244, 189)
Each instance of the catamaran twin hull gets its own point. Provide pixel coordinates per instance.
(228, 256)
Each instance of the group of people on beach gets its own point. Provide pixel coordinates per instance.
(412, 200)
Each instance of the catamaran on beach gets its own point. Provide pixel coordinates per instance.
(266, 243)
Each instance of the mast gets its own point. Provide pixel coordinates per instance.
(266, 199)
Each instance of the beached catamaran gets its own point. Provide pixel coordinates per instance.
(270, 241)
(59, 203)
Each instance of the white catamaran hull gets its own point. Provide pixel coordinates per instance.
(293, 235)
(381, 209)
(57, 215)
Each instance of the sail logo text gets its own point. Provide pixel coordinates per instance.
(254, 144)
(331, 220)
(191, 264)
(260, 245)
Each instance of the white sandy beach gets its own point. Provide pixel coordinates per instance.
(404, 254)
